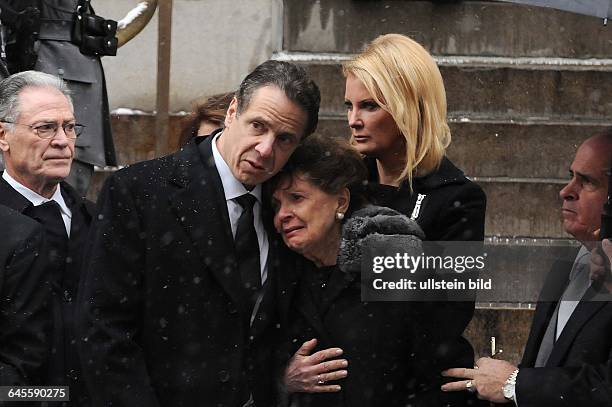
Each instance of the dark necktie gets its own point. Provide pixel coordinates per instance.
(247, 249)
(50, 215)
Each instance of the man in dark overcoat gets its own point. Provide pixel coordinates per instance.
(178, 304)
(38, 131)
(568, 356)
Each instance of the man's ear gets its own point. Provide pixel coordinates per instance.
(344, 199)
(232, 110)
(4, 145)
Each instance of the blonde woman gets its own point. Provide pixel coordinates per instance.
(396, 108)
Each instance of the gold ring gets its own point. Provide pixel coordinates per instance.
(469, 386)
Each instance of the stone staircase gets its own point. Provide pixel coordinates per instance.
(525, 86)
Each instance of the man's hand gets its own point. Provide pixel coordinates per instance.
(308, 373)
(488, 378)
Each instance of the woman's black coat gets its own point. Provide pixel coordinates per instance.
(451, 207)
(384, 342)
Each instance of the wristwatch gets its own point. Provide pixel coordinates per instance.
(509, 386)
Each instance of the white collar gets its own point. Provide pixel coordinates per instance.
(232, 188)
(34, 197)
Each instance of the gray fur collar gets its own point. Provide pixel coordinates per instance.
(376, 226)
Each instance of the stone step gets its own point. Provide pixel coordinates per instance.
(522, 208)
(498, 92)
(445, 28)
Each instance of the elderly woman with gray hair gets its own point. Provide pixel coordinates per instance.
(340, 351)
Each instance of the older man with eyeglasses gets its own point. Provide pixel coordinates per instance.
(37, 137)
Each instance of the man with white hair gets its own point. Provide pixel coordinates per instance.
(37, 137)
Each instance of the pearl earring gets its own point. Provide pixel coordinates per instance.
(339, 215)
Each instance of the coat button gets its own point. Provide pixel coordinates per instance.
(67, 296)
(224, 376)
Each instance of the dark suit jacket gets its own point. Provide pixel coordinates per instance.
(579, 369)
(163, 313)
(24, 298)
(63, 365)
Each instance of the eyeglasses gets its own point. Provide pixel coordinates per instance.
(49, 130)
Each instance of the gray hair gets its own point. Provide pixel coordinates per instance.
(11, 87)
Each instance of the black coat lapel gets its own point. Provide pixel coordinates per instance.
(267, 312)
(11, 198)
(582, 314)
(200, 207)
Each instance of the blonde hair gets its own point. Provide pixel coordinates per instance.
(405, 81)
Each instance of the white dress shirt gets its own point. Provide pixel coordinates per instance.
(37, 199)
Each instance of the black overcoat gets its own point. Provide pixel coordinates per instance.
(64, 367)
(393, 359)
(163, 317)
(25, 296)
(448, 207)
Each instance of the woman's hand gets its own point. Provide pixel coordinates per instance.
(308, 373)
